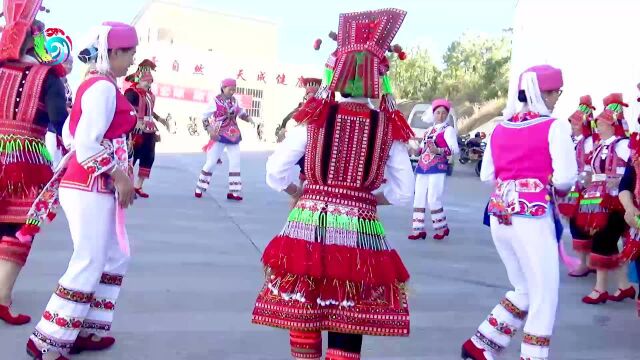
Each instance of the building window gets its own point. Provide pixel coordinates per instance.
(256, 103)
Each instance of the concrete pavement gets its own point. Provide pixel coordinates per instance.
(196, 272)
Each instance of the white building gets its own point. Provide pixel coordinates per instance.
(194, 49)
(594, 42)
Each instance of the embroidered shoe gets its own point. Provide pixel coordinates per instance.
(9, 318)
(628, 293)
(441, 236)
(601, 299)
(89, 344)
(141, 193)
(36, 354)
(418, 236)
(471, 352)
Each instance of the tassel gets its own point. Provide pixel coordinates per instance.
(569, 261)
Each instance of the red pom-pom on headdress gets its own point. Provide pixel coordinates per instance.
(402, 55)
(317, 43)
(333, 35)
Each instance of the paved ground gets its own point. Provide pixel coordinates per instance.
(196, 273)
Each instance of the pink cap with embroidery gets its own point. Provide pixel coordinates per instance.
(549, 78)
(121, 35)
(228, 83)
(440, 102)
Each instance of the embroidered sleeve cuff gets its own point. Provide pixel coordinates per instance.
(100, 162)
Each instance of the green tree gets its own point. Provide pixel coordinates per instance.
(476, 68)
(415, 78)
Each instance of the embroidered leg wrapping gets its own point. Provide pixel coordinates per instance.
(144, 173)
(100, 315)
(438, 219)
(306, 345)
(418, 220)
(496, 332)
(334, 354)
(235, 183)
(535, 347)
(203, 181)
(14, 250)
(63, 319)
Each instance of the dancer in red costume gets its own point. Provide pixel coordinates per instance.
(582, 124)
(601, 214)
(144, 141)
(630, 198)
(332, 268)
(33, 97)
(94, 187)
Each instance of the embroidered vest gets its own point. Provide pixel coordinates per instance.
(523, 166)
(124, 120)
(431, 163)
(349, 152)
(227, 111)
(144, 111)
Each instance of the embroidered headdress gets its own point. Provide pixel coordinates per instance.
(584, 115)
(359, 66)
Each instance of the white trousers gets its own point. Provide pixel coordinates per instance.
(529, 251)
(86, 295)
(429, 188)
(233, 153)
(51, 142)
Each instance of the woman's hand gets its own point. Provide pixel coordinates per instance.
(631, 217)
(124, 188)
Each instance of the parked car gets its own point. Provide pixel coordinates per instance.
(420, 121)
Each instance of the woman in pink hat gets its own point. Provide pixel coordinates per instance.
(528, 156)
(220, 121)
(440, 141)
(93, 186)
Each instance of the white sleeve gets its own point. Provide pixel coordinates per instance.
(67, 139)
(488, 170)
(451, 137)
(399, 174)
(563, 156)
(622, 149)
(99, 102)
(287, 154)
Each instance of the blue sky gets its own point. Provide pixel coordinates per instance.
(429, 23)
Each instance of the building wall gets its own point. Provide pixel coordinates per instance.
(192, 60)
(595, 59)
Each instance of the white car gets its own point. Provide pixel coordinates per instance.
(420, 121)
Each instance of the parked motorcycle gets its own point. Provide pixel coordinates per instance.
(472, 150)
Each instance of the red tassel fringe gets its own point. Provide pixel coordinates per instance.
(300, 257)
(23, 177)
(400, 129)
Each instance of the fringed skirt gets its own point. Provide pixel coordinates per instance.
(331, 269)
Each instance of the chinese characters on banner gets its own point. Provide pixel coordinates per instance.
(196, 95)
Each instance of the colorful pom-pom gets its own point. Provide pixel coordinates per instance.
(402, 55)
(317, 43)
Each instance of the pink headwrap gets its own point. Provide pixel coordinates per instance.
(121, 35)
(440, 102)
(228, 83)
(549, 78)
